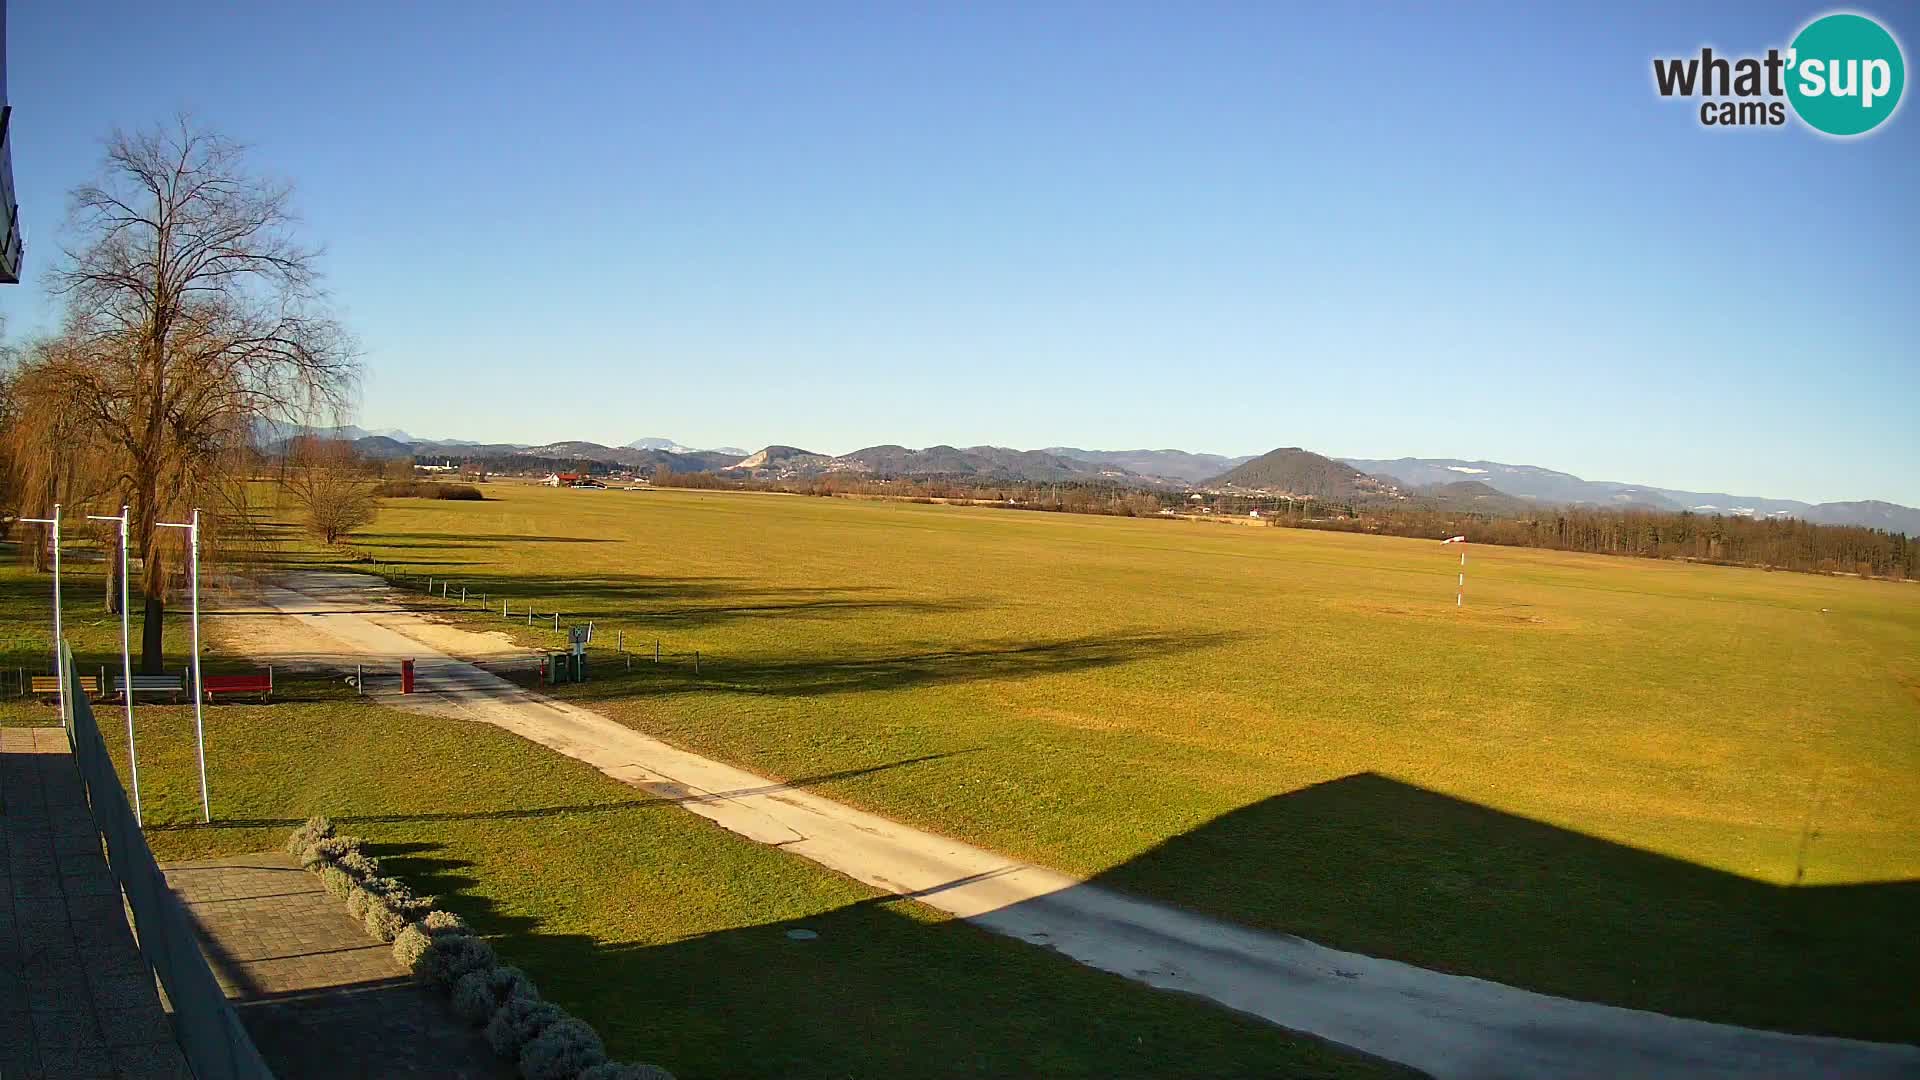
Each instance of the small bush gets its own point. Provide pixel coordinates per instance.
(409, 945)
(329, 850)
(623, 1070)
(359, 900)
(451, 955)
(479, 994)
(410, 907)
(336, 881)
(384, 922)
(360, 864)
(518, 1022)
(387, 887)
(442, 922)
(337, 846)
(317, 828)
(561, 1050)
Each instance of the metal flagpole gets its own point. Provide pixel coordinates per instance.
(58, 633)
(1460, 589)
(126, 659)
(199, 688)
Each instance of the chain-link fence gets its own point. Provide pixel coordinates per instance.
(217, 1047)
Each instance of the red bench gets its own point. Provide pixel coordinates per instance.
(258, 683)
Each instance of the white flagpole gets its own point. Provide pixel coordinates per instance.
(199, 686)
(126, 659)
(59, 634)
(1460, 587)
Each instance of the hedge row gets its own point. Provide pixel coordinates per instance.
(441, 952)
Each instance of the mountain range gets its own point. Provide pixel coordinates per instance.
(1548, 487)
(1454, 483)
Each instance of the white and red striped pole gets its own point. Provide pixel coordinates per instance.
(1460, 590)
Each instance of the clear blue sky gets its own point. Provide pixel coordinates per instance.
(1472, 232)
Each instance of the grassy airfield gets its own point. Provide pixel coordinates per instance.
(1669, 786)
(1684, 788)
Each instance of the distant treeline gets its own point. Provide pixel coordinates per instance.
(1070, 497)
(1780, 543)
(427, 489)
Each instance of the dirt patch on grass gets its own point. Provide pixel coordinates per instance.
(1501, 616)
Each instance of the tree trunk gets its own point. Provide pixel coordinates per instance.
(113, 582)
(152, 659)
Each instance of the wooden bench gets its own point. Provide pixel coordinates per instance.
(257, 683)
(171, 685)
(48, 686)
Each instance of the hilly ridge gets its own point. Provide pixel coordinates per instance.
(1301, 473)
(1547, 487)
(1452, 483)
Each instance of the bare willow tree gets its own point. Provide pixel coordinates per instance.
(194, 316)
(54, 452)
(331, 485)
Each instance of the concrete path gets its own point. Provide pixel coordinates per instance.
(76, 1000)
(1447, 1025)
(318, 995)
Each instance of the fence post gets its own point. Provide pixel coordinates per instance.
(359, 681)
(656, 650)
(503, 608)
(556, 620)
(529, 613)
(463, 594)
(620, 640)
(696, 661)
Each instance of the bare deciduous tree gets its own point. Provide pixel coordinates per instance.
(332, 487)
(193, 315)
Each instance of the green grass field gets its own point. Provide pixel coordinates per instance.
(665, 932)
(1678, 787)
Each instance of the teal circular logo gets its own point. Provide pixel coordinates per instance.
(1845, 74)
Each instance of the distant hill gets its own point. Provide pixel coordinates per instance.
(780, 462)
(1871, 512)
(693, 461)
(980, 462)
(1548, 487)
(654, 442)
(383, 448)
(1174, 465)
(1293, 471)
(1471, 496)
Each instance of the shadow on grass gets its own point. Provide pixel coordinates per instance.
(875, 988)
(577, 810)
(1375, 865)
(635, 600)
(806, 676)
(427, 539)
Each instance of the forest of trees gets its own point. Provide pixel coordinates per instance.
(1780, 543)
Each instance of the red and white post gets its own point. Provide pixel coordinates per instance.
(1460, 589)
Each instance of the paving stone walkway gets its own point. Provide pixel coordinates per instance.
(318, 995)
(76, 1000)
